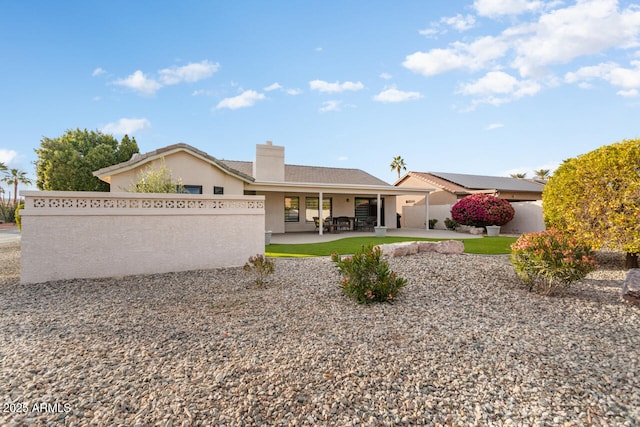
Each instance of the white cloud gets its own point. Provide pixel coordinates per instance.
(586, 28)
(202, 92)
(497, 8)
(248, 98)
(274, 86)
(626, 78)
(459, 22)
(330, 106)
(125, 126)
(557, 35)
(474, 56)
(429, 32)
(190, 73)
(278, 86)
(494, 126)
(336, 87)
(6, 156)
(97, 72)
(385, 76)
(631, 93)
(394, 95)
(498, 87)
(138, 82)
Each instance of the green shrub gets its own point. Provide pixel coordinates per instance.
(7, 211)
(261, 266)
(17, 216)
(550, 261)
(432, 223)
(367, 278)
(451, 224)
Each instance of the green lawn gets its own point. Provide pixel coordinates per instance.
(485, 245)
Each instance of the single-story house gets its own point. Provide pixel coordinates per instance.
(292, 192)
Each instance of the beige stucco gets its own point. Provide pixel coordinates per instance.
(189, 169)
(68, 235)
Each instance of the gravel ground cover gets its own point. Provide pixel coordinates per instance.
(464, 344)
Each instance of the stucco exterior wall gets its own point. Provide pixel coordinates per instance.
(67, 235)
(191, 170)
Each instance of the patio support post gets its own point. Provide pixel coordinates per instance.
(320, 219)
(426, 211)
(378, 211)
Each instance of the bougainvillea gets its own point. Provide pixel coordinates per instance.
(480, 210)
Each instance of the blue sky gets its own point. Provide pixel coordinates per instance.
(486, 87)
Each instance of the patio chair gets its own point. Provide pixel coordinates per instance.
(369, 223)
(343, 223)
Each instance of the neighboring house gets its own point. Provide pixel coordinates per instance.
(451, 187)
(292, 192)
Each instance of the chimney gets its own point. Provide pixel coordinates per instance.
(269, 163)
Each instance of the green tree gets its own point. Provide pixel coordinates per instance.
(542, 173)
(156, 179)
(3, 169)
(519, 175)
(67, 163)
(596, 197)
(398, 164)
(14, 177)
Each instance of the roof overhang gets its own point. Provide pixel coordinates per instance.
(307, 187)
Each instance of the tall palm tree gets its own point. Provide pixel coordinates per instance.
(542, 173)
(519, 175)
(13, 177)
(398, 165)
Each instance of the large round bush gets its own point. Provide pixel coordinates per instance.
(480, 210)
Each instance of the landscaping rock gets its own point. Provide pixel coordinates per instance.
(412, 248)
(450, 247)
(631, 287)
(427, 246)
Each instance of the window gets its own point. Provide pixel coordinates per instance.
(291, 209)
(218, 190)
(192, 189)
(311, 208)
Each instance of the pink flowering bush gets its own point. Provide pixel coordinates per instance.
(550, 261)
(367, 278)
(480, 210)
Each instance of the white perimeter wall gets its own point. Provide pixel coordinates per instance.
(68, 235)
(528, 217)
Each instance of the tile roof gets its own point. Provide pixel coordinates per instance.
(456, 182)
(315, 174)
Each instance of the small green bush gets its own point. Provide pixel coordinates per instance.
(7, 211)
(367, 278)
(451, 224)
(549, 261)
(432, 223)
(261, 266)
(17, 216)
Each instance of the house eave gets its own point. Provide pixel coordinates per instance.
(309, 187)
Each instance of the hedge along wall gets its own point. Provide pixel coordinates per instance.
(67, 235)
